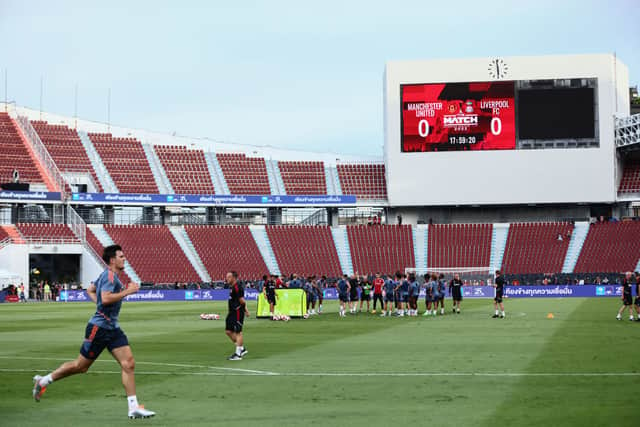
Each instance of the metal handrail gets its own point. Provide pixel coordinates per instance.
(42, 153)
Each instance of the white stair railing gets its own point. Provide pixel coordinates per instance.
(498, 245)
(159, 174)
(341, 241)
(108, 186)
(219, 183)
(579, 235)
(106, 240)
(181, 236)
(42, 154)
(259, 233)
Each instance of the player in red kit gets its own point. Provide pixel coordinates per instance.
(378, 283)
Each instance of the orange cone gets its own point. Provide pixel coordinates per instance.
(550, 316)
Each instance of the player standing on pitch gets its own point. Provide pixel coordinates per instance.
(442, 289)
(455, 290)
(637, 301)
(269, 290)
(343, 293)
(389, 291)
(235, 318)
(499, 285)
(103, 331)
(626, 297)
(378, 284)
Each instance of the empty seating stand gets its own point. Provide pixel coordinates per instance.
(126, 162)
(223, 248)
(244, 175)
(47, 233)
(459, 245)
(153, 253)
(612, 247)
(365, 181)
(305, 250)
(303, 177)
(630, 182)
(186, 169)
(66, 149)
(14, 155)
(536, 248)
(381, 248)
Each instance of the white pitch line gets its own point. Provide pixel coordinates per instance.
(370, 374)
(252, 372)
(174, 365)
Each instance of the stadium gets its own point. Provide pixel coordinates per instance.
(527, 165)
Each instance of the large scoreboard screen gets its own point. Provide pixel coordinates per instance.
(458, 116)
(502, 115)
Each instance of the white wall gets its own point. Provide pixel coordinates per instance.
(15, 259)
(510, 176)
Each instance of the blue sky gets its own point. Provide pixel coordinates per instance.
(292, 74)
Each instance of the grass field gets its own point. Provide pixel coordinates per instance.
(580, 368)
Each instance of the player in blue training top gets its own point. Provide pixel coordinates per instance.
(389, 290)
(403, 288)
(103, 331)
(414, 292)
(343, 293)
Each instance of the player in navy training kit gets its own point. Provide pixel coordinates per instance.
(103, 331)
(389, 291)
(235, 318)
(343, 293)
(442, 289)
(497, 301)
(626, 297)
(455, 290)
(637, 301)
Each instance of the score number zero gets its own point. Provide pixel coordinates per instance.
(496, 127)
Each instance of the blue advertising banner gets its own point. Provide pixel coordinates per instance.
(331, 293)
(204, 199)
(36, 196)
(560, 291)
(166, 295)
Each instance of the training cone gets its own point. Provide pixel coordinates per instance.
(550, 316)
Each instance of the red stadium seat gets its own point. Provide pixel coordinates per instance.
(305, 250)
(533, 248)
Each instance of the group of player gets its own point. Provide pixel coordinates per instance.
(398, 294)
(627, 302)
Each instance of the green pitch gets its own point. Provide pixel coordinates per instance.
(579, 368)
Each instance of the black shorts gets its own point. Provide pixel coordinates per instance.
(388, 297)
(626, 299)
(637, 301)
(364, 297)
(234, 321)
(343, 297)
(413, 300)
(354, 296)
(97, 339)
(457, 296)
(271, 300)
(498, 297)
